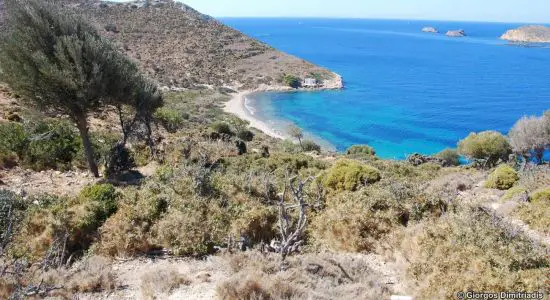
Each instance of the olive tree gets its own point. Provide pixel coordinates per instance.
(297, 133)
(530, 136)
(60, 64)
(487, 145)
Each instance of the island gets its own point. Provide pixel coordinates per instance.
(430, 30)
(456, 33)
(528, 34)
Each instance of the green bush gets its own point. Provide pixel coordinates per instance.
(361, 150)
(308, 146)
(292, 81)
(514, 191)
(245, 135)
(449, 156)
(541, 196)
(221, 128)
(349, 175)
(503, 178)
(101, 199)
(490, 145)
(171, 119)
(52, 145)
(13, 138)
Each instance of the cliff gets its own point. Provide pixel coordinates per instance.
(181, 47)
(528, 34)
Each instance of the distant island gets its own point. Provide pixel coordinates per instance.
(430, 30)
(528, 34)
(450, 33)
(456, 33)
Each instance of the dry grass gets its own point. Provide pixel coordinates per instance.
(471, 250)
(158, 283)
(319, 276)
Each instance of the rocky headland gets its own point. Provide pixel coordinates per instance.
(528, 34)
(182, 48)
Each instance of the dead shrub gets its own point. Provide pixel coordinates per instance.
(93, 275)
(157, 283)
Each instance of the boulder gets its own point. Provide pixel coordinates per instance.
(430, 30)
(456, 33)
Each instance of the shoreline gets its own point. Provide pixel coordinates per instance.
(237, 104)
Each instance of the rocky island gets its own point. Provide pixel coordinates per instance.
(430, 30)
(528, 34)
(456, 33)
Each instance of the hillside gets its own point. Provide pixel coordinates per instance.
(528, 34)
(214, 209)
(181, 47)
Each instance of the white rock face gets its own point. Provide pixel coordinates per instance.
(528, 34)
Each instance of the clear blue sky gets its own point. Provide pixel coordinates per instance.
(535, 11)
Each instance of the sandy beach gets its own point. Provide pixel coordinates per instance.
(237, 107)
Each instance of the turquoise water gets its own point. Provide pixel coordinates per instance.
(406, 91)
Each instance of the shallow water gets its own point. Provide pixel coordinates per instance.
(406, 91)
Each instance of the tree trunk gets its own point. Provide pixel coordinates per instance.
(82, 125)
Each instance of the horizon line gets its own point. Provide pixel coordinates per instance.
(547, 23)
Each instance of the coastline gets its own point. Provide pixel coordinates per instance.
(237, 104)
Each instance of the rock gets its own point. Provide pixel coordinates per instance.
(528, 34)
(430, 30)
(418, 159)
(456, 33)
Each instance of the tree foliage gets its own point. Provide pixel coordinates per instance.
(530, 136)
(488, 145)
(60, 64)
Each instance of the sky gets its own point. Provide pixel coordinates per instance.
(522, 11)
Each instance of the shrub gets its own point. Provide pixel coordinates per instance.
(292, 81)
(104, 196)
(536, 213)
(255, 221)
(192, 230)
(309, 146)
(171, 119)
(354, 222)
(245, 135)
(52, 145)
(472, 250)
(449, 156)
(361, 150)
(160, 282)
(504, 177)
(13, 138)
(541, 196)
(490, 145)
(513, 192)
(221, 128)
(350, 175)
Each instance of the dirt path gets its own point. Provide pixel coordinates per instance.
(492, 200)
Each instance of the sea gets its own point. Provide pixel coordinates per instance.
(405, 91)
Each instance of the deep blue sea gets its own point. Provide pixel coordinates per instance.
(406, 91)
